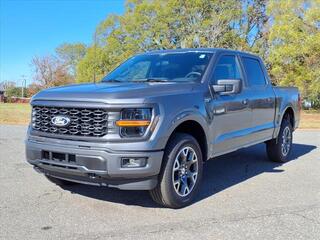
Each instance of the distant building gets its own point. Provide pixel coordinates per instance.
(2, 91)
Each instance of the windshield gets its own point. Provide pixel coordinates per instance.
(187, 66)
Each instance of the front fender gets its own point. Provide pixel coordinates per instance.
(181, 117)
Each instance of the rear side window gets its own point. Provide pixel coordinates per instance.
(254, 71)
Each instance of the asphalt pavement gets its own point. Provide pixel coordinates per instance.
(243, 196)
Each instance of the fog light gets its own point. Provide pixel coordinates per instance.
(133, 162)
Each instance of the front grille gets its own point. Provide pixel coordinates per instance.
(83, 121)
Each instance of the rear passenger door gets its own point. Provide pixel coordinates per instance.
(261, 99)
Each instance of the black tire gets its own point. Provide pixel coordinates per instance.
(275, 146)
(166, 192)
(60, 182)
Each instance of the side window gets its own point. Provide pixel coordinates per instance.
(226, 68)
(254, 72)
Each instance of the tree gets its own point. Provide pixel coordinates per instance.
(33, 88)
(49, 72)
(71, 54)
(148, 25)
(13, 92)
(96, 64)
(253, 26)
(8, 84)
(294, 40)
(285, 33)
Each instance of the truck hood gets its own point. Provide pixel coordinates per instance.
(114, 92)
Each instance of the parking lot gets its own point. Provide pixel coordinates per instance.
(243, 196)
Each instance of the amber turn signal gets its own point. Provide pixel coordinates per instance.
(132, 123)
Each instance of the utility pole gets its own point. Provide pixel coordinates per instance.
(95, 59)
(24, 85)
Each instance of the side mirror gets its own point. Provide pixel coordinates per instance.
(227, 86)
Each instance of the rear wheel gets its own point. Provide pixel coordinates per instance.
(181, 172)
(278, 149)
(59, 182)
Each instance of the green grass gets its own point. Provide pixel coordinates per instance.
(15, 113)
(19, 113)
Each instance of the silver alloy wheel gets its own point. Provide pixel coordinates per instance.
(286, 141)
(185, 171)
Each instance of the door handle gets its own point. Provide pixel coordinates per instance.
(207, 100)
(245, 101)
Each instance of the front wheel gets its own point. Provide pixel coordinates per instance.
(181, 172)
(279, 149)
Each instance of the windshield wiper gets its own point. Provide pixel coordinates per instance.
(151, 80)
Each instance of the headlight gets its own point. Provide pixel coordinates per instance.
(134, 121)
(34, 113)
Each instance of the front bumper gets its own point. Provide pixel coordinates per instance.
(94, 166)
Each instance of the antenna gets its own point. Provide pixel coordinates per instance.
(94, 57)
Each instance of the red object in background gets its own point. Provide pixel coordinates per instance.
(16, 100)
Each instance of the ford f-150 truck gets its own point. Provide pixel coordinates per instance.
(152, 122)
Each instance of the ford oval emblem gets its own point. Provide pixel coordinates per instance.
(60, 121)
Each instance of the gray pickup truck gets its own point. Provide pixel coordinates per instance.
(152, 122)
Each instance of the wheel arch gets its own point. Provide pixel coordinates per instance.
(195, 129)
(288, 113)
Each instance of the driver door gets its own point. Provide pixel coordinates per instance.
(231, 112)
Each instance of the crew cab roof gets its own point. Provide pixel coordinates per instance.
(211, 50)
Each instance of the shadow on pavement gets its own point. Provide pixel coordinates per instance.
(219, 173)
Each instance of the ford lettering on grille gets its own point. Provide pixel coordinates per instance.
(60, 121)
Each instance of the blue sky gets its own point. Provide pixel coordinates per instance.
(37, 27)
